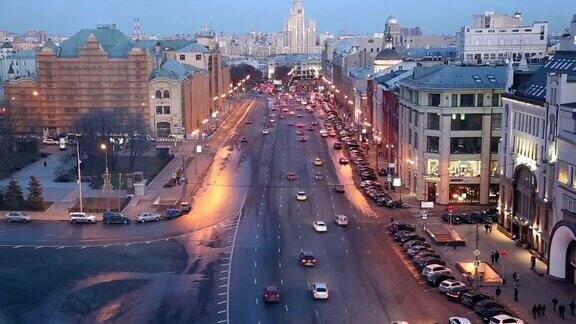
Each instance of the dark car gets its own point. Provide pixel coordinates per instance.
(421, 264)
(409, 237)
(271, 294)
(401, 226)
(488, 313)
(307, 259)
(337, 146)
(450, 218)
(435, 279)
(467, 219)
(399, 234)
(397, 204)
(487, 303)
(471, 298)
(425, 254)
(456, 295)
(482, 218)
(340, 189)
(383, 172)
(172, 213)
(414, 243)
(411, 252)
(114, 218)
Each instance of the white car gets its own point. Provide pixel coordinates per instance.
(505, 319)
(318, 162)
(434, 268)
(301, 195)
(82, 218)
(320, 227)
(341, 220)
(147, 217)
(265, 131)
(319, 290)
(450, 284)
(459, 320)
(49, 141)
(17, 217)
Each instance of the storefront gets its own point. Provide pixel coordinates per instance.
(465, 193)
(524, 202)
(562, 263)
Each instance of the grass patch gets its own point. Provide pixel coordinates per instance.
(18, 161)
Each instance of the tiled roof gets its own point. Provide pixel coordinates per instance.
(532, 87)
(172, 69)
(418, 53)
(114, 42)
(22, 55)
(170, 44)
(6, 45)
(442, 77)
(194, 47)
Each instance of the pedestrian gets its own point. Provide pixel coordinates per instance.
(561, 311)
(539, 311)
(496, 256)
(454, 245)
(391, 219)
(572, 307)
(492, 257)
(532, 261)
(554, 303)
(490, 228)
(45, 164)
(543, 311)
(516, 294)
(534, 310)
(486, 228)
(498, 292)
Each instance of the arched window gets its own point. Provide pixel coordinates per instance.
(166, 94)
(158, 94)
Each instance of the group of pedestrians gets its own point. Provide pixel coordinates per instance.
(495, 256)
(539, 310)
(499, 292)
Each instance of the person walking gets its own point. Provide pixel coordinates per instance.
(516, 294)
(572, 307)
(532, 262)
(562, 311)
(486, 228)
(492, 257)
(45, 164)
(490, 228)
(498, 292)
(534, 311)
(497, 256)
(543, 310)
(554, 303)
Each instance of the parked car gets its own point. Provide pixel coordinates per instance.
(400, 226)
(435, 279)
(406, 246)
(471, 298)
(425, 254)
(82, 218)
(50, 141)
(488, 313)
(505, 319)
(451, 285)
(172, 213)
(17, 217)
(486, 304)
(271, 294)
(114, 218)
(412, 236)
(339, 189)
(396, 204)
(147, 217)
(431, 269)
(467, 219)
(185, 207)
(428, 261)
(337, 146)
(456, 295)
(459, 320)
(411, 252)
(450, 218)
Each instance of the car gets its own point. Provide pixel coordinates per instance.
(17, 217)
(301, 195)
(282, 117)
(50, 141)
(300, 132)
(300, 125)
(290, 123)
(318, 176)
(185, 207)
(319, 290)
(82, 218)
(291, 176)
(411, 252)
(310, 128)
(248, 121)
(482, 305)
(172, 213)
(488, 313)
(343, 161)
(413, 243)
(265, 131)
(471, 298)
(425, 254)
(456, 295)
(291, 113)
(427, 261)
(320, 227)
(337, 146)
(114, 218)
(434, 268)
(340, 189)
(271, 294)
(466, 219)
(323, 133)
(243, 139)
(307, 259)
(451, 285)
(318, 161)
(459, 320)
(408, 237)
(272, 120)
(505, 319)
(332, 134)
(450, 218)
(302, 138)
(147, 217)
(401, 226)
(435, 279)
(397, 204)
(341, 220)
(314, 123)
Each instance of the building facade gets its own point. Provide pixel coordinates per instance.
(392, 28)
(449, 131)
(496, 37)
(299, 36)
(304, 65)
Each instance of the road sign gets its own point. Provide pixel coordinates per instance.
(426, 204)
(450, 208)
(503, 253)
(476, 263)
(174, 175)
(424, 214)
(476, 252)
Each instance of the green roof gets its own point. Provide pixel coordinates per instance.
(114, 42)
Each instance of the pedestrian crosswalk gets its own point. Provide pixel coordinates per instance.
(168, 140)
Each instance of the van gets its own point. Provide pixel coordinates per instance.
(114, 218)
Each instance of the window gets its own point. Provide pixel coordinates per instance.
(466, 122)
(434, 99)
(494, 143)
(182, 57)
(563, 172)
(166, 110)
(158, 94)
(198, 57)
(494, 168)
(432, 167)
(480, 100)
(465, 145)
(415, 140)
(464, 169)
(454, 100)
(433, 144)
(477, 78)
(433, 121)
(166, 94)
(496, 100)
(416, 118)
(158, 110)
(496, 121)
(467, 100)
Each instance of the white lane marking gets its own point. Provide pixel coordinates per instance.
(256, 301)
(222, 286)
(254, 264)
(279, 264)
(286, 306)
(255, 249)
(221, 312)
(222, 294)
(346, 251)
(308, 282)
(317, 313)
(255, 282)
(38, 247)
(282, 282)
(222, 302)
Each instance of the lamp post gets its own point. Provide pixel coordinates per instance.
(79, 172)
(107, 185)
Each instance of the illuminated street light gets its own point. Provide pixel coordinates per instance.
(35, 93)
(215, 98)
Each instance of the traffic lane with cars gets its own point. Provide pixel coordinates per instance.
(64, 234)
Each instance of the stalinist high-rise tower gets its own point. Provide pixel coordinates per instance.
(299, 38)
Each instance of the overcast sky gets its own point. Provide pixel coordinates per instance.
(238, 16)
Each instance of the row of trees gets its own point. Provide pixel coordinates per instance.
(12, 196)
(240, 71)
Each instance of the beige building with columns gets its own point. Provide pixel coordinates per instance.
(449, 133)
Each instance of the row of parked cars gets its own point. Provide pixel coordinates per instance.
(108, 217)
(433, 269)
(487, 216)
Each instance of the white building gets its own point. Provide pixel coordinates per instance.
(299, 37)
(495, 37)
(449, 131)
(392, 28)
(15, 64)
(302, 64)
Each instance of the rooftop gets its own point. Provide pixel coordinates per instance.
(114, 42)
(442, 77)
(172, 69)
(22, 55)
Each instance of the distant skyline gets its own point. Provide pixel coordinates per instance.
(168, 17)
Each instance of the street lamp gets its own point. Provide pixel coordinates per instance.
(107, 186)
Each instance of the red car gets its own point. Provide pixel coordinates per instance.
(343, 160)
(271, 294)
(302, 138)
(300, 125)
(291, 176)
